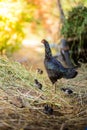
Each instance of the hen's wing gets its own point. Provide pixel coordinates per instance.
(56, 70)
(55, 65)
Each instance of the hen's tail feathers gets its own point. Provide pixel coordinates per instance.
(71, 73)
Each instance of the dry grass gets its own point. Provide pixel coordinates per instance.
(21, 103)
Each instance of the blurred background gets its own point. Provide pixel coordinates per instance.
(24, 23)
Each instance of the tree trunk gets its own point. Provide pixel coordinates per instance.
(62, 17)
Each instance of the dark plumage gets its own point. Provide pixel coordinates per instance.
(37, 84)
(39, 71)
(54, 68)
(48, 110)
(67, 90)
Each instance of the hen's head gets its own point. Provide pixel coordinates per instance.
(48, 53)
(44, 41)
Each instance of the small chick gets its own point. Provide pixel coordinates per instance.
(48, 110)
(39, 71)
(67, 90)
(37, 84)
(36, 81)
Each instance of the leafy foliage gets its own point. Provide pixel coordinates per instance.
(75, 28)
(13, 16)
(76, 23)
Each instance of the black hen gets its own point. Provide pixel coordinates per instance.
(54, 68)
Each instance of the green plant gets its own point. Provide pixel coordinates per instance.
(76, 23)
(13, 17)
(75, 28)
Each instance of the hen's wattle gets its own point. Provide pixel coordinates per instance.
(54, 68)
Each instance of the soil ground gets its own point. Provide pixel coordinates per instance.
(17, 115)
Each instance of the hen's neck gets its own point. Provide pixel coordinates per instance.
(48, 53)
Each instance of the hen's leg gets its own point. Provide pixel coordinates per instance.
(55, 85)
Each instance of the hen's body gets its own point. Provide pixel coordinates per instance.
(54, 68)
